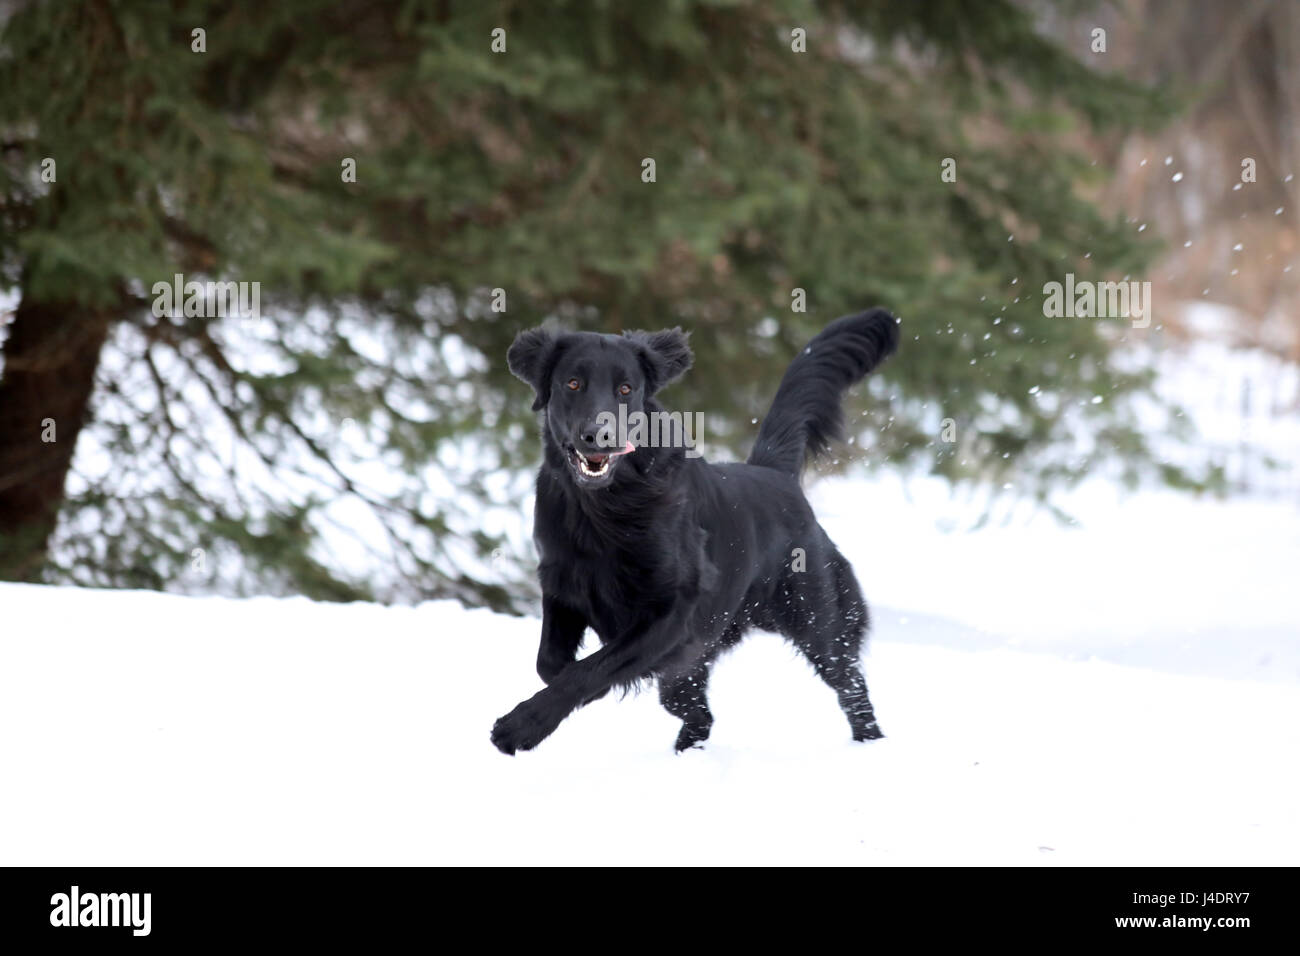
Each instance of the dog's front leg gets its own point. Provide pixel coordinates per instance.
(622, 661)
(562, 630)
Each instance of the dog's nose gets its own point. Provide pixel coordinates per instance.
(588, 434)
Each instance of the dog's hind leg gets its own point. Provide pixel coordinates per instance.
(685, 696)
(684, 693)
(832, 643)
(843, 674)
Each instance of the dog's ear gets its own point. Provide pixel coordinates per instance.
(665, 356)
(531, 358)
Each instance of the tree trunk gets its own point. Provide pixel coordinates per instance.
(49, 373)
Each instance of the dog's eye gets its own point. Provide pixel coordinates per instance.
(625, 389)
(574, 384)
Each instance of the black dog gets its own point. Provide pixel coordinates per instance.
(669, 559)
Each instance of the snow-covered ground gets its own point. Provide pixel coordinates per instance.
(1123, 692)
(1157, 579)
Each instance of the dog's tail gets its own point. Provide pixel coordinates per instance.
(806, 415)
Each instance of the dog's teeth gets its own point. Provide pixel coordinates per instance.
(590, 472)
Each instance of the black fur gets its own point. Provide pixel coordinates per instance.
(669, 559)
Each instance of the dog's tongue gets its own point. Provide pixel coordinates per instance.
(627, 450)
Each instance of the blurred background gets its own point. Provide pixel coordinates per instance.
(411, 184)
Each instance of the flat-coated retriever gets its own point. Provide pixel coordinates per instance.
(670, 559)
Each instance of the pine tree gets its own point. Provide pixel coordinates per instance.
(410, 185)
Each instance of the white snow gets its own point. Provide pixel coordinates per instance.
(145, 728)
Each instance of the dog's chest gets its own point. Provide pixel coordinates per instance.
(612, 587)
(607, 577)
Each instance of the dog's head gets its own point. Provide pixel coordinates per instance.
(581, 379)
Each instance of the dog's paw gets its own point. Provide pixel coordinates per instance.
(523, 728)
(691, 737)
(871, 731)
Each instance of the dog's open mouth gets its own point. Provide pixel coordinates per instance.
(596, 465)
(593, 466)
